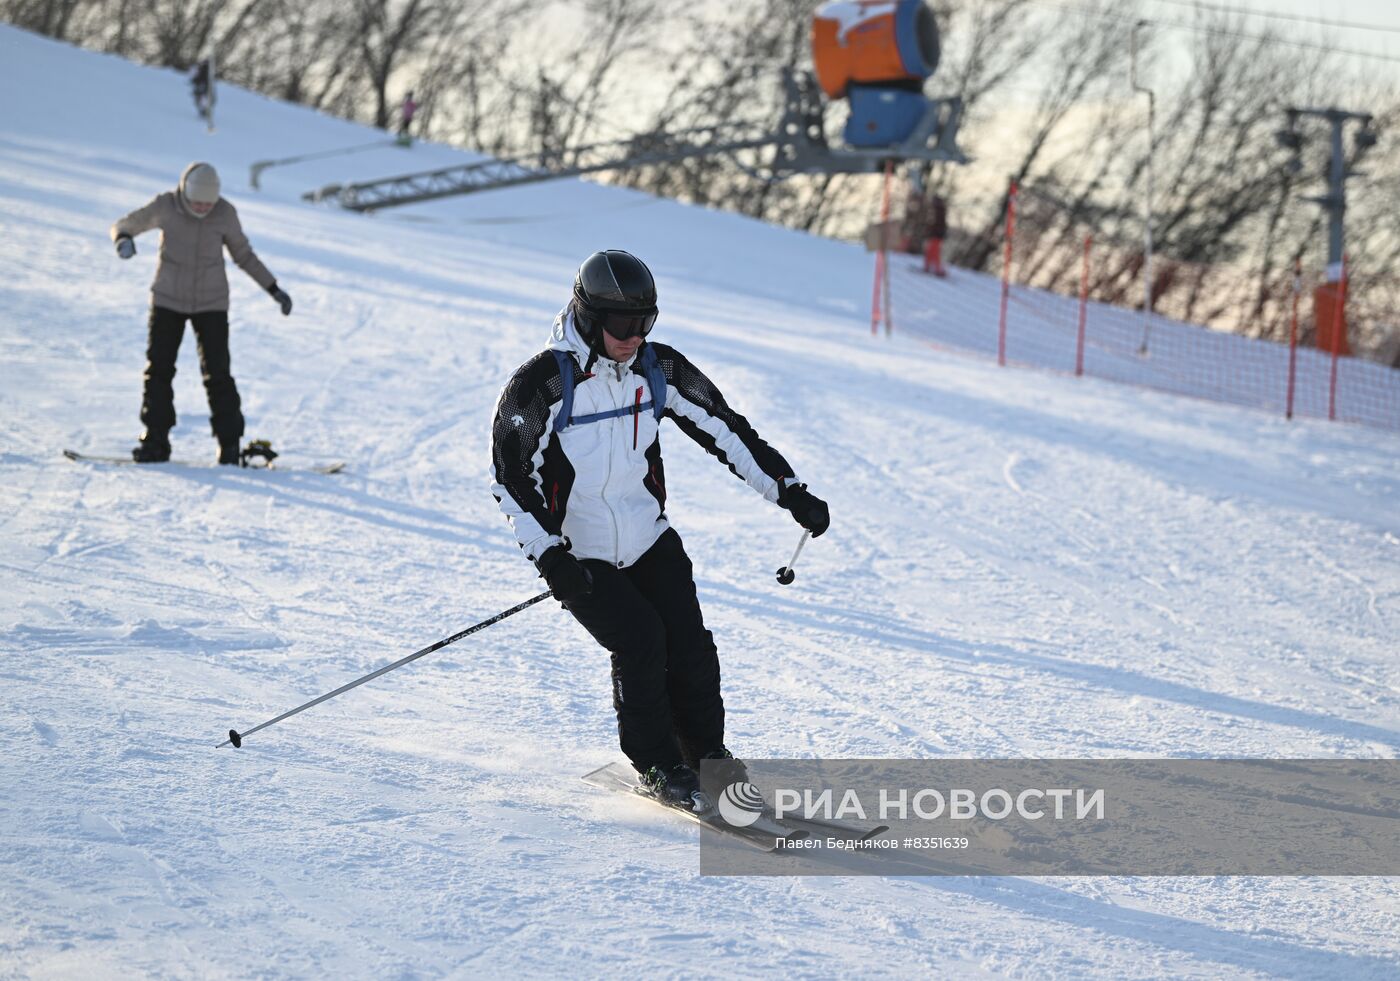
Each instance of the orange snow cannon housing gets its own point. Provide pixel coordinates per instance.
(873, 41)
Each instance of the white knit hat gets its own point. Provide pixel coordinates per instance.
(200, 183)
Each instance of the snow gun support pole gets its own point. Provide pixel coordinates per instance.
(235, 738)
(1010, 235)
(785, 574)
(1339, 337)
(1293, 337)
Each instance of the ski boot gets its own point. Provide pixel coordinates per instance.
(676, 786)
(153, 448)
(718, 769)
(229, 453)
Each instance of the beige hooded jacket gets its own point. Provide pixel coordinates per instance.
(190, 277)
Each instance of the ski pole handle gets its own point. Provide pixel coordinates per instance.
(785, 574)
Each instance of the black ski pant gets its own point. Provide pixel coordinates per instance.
(166, 330)
(665, 669)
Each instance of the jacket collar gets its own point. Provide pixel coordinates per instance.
(183, 203)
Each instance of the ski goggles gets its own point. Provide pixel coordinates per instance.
(625, 324)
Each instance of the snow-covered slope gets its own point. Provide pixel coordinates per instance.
(1019, 565)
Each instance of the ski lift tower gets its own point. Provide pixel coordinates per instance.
(874, 54)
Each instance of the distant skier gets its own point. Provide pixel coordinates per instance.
(935, 231)
(585, 492)
(196, 224)
(202, 85)
(911, 227)
(406, 114)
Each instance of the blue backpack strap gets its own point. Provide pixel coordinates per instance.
(626, 410)
(656, 378)
(651, 368)
(566, 376)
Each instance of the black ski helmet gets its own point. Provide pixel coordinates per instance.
(614, 290)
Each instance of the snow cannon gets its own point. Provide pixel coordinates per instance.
(892, 43)
(882, 116)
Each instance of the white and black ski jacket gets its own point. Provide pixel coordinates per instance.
(601, 484)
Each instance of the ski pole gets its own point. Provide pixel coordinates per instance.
(235, 738)
(785, 574)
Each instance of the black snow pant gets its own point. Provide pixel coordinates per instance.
(167, 329)
(665, 669)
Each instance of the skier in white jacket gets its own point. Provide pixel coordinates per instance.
(577, 469)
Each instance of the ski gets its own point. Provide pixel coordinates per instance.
(764, 833)
(126, 461)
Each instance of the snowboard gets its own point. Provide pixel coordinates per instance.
(126, 461)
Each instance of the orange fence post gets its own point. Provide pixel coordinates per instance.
(882, 259)
(889, 303)
(875, 293)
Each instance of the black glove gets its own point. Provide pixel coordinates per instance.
(567, 577)
(809, 510)
(126, 248)
(281, 297)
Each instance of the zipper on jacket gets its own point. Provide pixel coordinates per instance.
(636, 416)
(607, 479)
(613, 433)
(198, 241)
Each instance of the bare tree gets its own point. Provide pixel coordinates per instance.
(1230, 218)
(730, 71)
(48, 17)
(1080, 58)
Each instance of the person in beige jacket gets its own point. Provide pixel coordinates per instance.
(196, 225)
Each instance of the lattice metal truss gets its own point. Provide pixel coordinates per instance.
(798, 143)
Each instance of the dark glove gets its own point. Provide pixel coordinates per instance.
(281, 297)
(809, 510)
(567, 577)
(126, 248)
